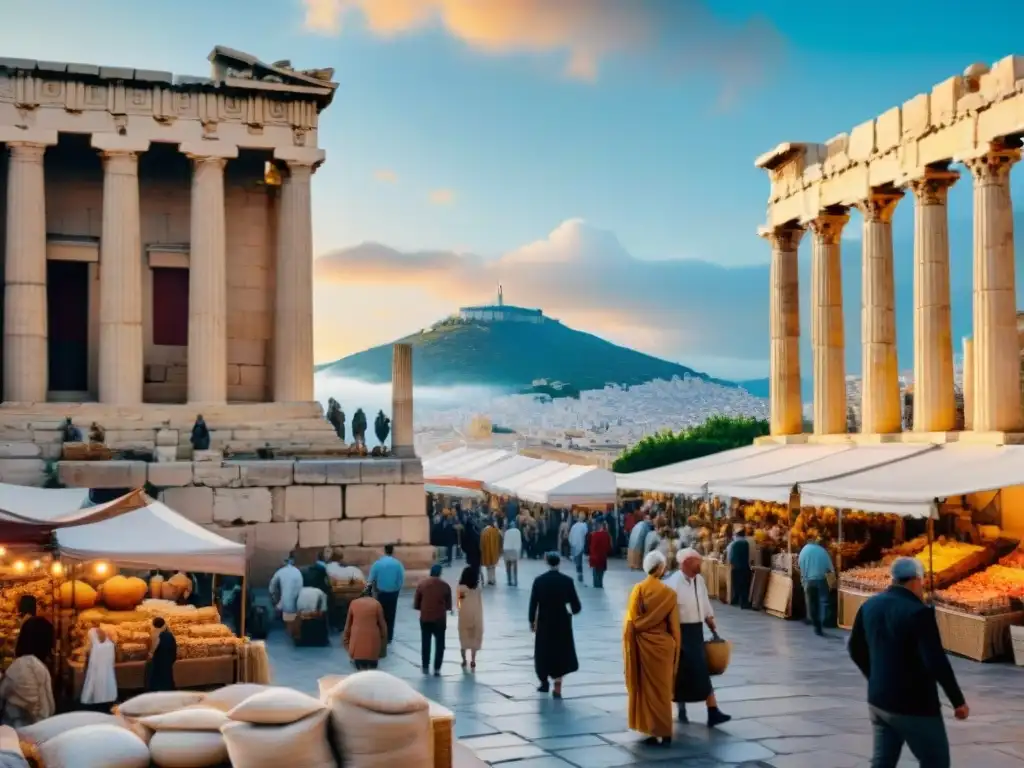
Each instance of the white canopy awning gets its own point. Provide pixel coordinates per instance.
(665, 479)
(571, 486)
(441, 457)
(777, 486)
(513, 465)
(153, 536)
(912, 486)
(48, 507)
(453, 491)
(459, 466)
(509, 486)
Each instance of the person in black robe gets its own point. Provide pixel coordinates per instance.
(554, 651)
(164, 654)
(200, 437)
(36, 635)
(471, 544)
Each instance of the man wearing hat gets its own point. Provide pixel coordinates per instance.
(895, 643)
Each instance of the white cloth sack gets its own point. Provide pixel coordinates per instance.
(303, 743)
(159, 703)
(188, 749)
(311, 600)
(41, 732)
(277, 706)
(230, 696)
(197, 718)
(95, 746)
(100, 685)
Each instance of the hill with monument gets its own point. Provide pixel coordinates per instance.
(511, 348)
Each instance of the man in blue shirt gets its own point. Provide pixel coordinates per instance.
(815, 565)
(387, 575)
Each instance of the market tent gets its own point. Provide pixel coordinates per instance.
(153, 536)
(755, 464)
(777, 486)
(508, 486)
(572, 485)
(446, 456)
(458, 465)
(660, 479)
(452, 490)
(911, 487)
(500, 470)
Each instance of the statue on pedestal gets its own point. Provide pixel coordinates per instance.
(359, 427)
(69, 432)
(336, 416)
(200, 438)
(97, 434)
(382, 428)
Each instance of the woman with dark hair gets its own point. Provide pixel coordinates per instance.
(471, 614)
(366, 631)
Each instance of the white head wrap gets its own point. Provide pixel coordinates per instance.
(653, 559)
(688, 554)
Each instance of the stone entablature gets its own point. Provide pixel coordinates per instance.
(975, 119)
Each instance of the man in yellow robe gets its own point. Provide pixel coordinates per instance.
(490, 550)
(650, 650)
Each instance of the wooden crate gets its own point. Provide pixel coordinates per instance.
(759, 586)
(442, 728)
(850, 601)
(724, 573)
(977, 637)
(778, 598)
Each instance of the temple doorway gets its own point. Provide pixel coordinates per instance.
(67, 302)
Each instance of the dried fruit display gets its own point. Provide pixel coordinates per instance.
(868, 578)
(908, 548)
(990, 591)
(1014, 560)
(946, 554)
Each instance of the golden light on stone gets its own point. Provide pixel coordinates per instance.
(271, 175)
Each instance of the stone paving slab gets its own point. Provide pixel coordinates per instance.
(796, 699)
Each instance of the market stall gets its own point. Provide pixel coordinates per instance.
(571, 486)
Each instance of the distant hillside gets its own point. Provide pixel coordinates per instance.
(759, 388)
(512, 356)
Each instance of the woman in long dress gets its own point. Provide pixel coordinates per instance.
(471, 614)
(163, 654)
(650, 650)
(100, 685)
(692, 680)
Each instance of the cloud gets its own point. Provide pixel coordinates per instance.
(680, 36)
(441, 196)
(385, 176)
(683, 310)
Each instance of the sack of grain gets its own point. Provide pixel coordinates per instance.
(159, 703)
(51, 727)
(275, 706)
(188, 749)
(95, 746)
(302, 743)
(230, 696)
(194, 718)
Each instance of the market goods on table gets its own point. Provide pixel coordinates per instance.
(1014, 560)
(951, 561)
(994, 590)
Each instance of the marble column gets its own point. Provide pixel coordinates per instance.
(785, 404)
(293, 311)
(968, 383)
(934, 405)
(827, 339)
(120, 367)
(25, 324)
(207, 279)
(880, 405)
(401, 402)
(997, 396)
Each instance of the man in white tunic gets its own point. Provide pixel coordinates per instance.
(693, 681)
(285, 586)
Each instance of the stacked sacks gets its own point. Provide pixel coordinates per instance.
(95, 746)
(381, 720)
(279, 727)
(33, 738)
(187, 738)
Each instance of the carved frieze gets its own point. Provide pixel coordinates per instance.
(139, 101)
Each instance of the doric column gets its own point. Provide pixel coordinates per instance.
(880, 405)
(784, 323)
(401, 401)
(207, 279)
(934, 404)
(997, 395)
(827, 340)
(25, 326)
(293, 310)
(968, 383)
(121, 348)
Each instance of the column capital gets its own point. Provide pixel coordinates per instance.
(827, 226)
(880, 205)
(991, 165)
(208, 150)
(116, 144)
(783, 238)
(14, 136)
(311, 157)
(931, 186)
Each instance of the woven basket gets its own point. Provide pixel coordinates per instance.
(718, 653)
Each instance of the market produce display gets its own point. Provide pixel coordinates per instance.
(1014, 560)
(946, 555)
(991, 591)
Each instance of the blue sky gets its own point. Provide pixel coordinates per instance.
(462, 130)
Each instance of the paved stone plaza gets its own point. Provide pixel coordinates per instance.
(796, 700)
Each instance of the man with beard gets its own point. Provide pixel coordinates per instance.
(554, 650)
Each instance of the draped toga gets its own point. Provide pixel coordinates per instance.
(650, 650)
(490, 546)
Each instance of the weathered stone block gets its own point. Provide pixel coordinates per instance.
(415, 530)
(102, 474)
(344, 471)
(310, 472)
(28, 472)
(192, 502)
(297, 503)
(264, 473)
(215, 475)
(412, 471)
(944, 98)
(916, 116)
(382, 471)
(273, 542)
(167, 437)
(888, 130)
(346, 533)
(1002, 79)
(314, 533)
(364, 501)
(361, 557)
(862, 142)
(419, 557)
(170, 474)
(404, 501)
(382, 530)
(167, 453)
(240, 534)
(19, 451)
(208, 456)
(251, 505)
(326, 502)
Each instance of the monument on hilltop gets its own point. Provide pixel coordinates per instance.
(157, 265)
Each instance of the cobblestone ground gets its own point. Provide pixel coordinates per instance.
(796, 699)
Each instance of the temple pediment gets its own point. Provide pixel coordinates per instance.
(229, 64)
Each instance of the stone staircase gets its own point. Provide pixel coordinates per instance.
(30, 434)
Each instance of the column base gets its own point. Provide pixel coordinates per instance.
(910, 438)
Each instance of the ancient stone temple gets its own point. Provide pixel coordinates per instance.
(974, 121)
(157, 264)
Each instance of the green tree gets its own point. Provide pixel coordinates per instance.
(719, 433)
(382, 427)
